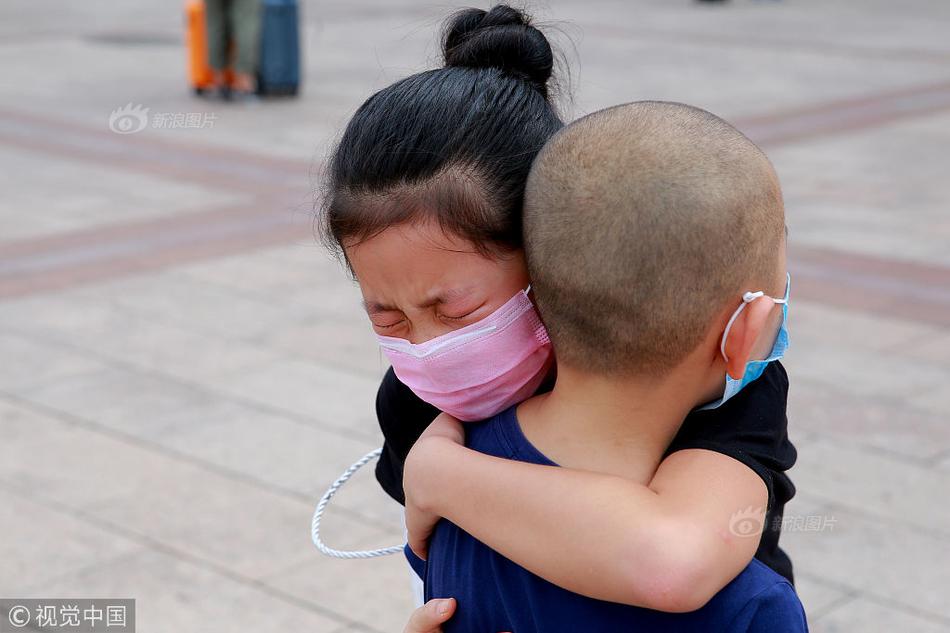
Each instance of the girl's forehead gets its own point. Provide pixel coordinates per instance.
(410, 240)
(416, 250)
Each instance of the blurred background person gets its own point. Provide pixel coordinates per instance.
(234, 34)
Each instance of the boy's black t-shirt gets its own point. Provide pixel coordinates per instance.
(750, 427)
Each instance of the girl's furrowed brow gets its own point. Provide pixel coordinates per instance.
(441, 297)
(444, 296)
(373, 307)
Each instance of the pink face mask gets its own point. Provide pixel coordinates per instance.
(481, 369)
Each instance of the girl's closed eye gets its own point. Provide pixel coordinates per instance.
(384, 318)
(389, 325)
(462, 313)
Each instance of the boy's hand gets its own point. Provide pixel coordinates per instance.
(429, 617)
(422, 470)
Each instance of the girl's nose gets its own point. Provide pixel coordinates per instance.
(425, 328)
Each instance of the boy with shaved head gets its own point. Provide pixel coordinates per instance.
(655, 238)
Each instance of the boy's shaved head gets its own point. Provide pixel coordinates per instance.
(642, 222)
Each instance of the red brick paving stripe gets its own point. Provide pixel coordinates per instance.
(873, 285)
(142, 153)
(35, 121)
(150, 233)
(905, 290)
(845, 115)
(148, 246)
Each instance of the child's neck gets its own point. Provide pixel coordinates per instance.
(609, 425)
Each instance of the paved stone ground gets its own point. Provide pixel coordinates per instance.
(184, 369)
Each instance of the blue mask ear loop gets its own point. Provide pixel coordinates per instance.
(748, 298)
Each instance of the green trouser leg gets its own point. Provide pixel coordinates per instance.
(216, 20)
(245, 22)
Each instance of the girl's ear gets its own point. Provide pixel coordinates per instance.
(745, 332)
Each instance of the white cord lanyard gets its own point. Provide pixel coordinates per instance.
(325, 501)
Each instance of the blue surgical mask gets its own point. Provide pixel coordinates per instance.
(754, 368)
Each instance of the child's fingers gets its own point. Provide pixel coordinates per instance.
(447, 426)
(419, 526)
(429, 617)
(419, 547)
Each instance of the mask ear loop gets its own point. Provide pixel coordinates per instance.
(747, 298)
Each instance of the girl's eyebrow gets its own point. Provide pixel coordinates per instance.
(372, 307)
(442, 296)
(445, 296)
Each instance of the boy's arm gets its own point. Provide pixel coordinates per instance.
(670, 546)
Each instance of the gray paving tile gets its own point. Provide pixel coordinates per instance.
(169, 349)
(269, 271)
(936, 400)
(818, 597)
(180, 595)
(872, 617)
(119, 398)
(933, 347)
(64, 312)
(316, 391)
(211, 308)
(879, 558)
(815, 325)
(860, 372)
(45, 456)
(76, 325)
(376, 591)
(283, 452)
(190, 506)
(347, 343)
(39, 545)
(891, 425)
(31, 364)
(879, 485)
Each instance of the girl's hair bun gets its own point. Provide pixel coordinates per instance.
(502, 38)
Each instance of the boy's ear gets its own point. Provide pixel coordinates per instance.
(746, 330)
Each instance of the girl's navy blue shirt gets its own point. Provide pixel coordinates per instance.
(750, 427)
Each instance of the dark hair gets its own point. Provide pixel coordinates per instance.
(454, 144)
